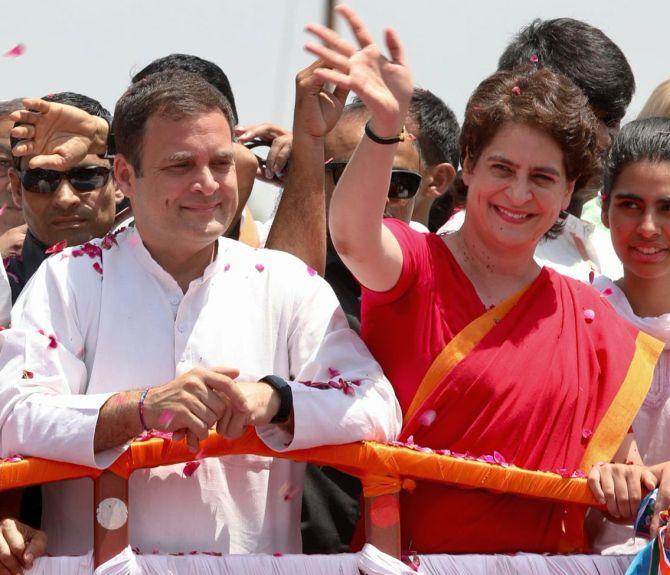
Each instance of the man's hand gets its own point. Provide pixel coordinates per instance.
(57, 135)
(194, 402)
(261, 404)
(280, 142)
(20, 545)
(619, 486)
(11, 241)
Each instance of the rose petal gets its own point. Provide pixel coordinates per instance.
(589, 315)
(27, 374)
(311, 271)
(586, 434)
(499, 459)
(427, 417)
(16, 51)
(59, 247)
(165, 418)
(259, 267)
(606, 292)
(333, 372)
(592, 276)
(53, 342)
(190, 468)
(226, 267)
(534, 58)
(97, 267)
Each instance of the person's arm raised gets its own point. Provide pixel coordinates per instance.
(299, 225)
(384, 85)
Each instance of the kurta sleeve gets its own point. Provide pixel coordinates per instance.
(44, 411)
(340, 394)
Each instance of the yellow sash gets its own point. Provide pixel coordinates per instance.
(457, 349)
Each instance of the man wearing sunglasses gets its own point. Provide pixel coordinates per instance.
(74, 206)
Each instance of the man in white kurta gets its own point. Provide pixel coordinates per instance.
(108, 317)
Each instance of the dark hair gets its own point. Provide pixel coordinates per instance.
(172, 95)
(9, 106)
(207, 70)
(584, 54)
(639, 141)
(80, 101)
(541, 99)
(437, 127)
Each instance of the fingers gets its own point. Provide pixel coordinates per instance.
(23, 148)
(342, 81)
(24, 117)
(231, 372)
(8, 563)
(235, 425)
(330, 57)
(37, 546)
(23, 132)
(14, 539)
(278, 156)
(47, 162)
(37, 104)
(264, 131)
(662, 503)
(332, 39)
(629, 505)
(593, 482)
(395, 48)
(193, 442)
(362, 34)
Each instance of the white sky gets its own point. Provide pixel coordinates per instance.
(94, 47)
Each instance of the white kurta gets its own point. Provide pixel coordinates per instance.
(131, 327)
(651, 425)
(5, 297)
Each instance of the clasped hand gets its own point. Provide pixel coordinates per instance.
(194, 402)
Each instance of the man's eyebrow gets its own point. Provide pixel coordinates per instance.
(627, 196)
(179, 157)
(543, 169)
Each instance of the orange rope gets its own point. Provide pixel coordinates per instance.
(381, 466)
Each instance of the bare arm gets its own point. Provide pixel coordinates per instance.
(299, 225)
(368, 249)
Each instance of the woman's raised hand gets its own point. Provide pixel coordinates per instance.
(383, 84)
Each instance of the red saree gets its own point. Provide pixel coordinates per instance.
(535, 379)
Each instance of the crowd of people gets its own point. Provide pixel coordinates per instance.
(498, 286)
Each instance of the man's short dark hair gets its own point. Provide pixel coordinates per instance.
(584, 54)
(80, 101)
(172, 95)
(646, 140)
(207, 70)
(438, 131)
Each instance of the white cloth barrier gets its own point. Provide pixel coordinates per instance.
(371, 560)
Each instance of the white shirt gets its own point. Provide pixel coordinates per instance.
(5, 297)
(651, 425)
(131, 327)
(578, 249)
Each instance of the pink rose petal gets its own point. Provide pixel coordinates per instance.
(427, 417)
(259, 267)
(97, 267)
(589, 315)
(226, 267)
(165, 418)
(333, 372)
(534, 58)
(56, 248)
(606, 292)
(586, 434)
(16, 51)
(190, 468)
(499, 459)
(311, 271)
(592, 276)
(53, 342)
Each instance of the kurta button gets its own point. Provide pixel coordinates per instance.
(174, 301)
(180, 328)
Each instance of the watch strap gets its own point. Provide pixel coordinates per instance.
(285, 397)
(379, 140)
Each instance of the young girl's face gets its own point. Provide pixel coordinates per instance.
(638, 216)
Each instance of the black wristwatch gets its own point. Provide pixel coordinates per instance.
(285, 397)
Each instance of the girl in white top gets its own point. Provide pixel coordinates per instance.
(636, 209)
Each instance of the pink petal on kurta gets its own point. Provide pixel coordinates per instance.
(589, 315)
(259, 267)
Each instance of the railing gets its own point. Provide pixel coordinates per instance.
(383, 469)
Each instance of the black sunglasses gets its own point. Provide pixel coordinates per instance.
(81, 178)
(404, 183)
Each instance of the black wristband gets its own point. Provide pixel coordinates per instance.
(111, 143)
(285, 397)
(379, 140)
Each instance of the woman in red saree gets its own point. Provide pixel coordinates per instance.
(486, 350)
